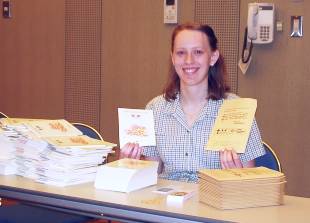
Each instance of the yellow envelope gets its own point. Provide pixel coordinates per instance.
(233, 125)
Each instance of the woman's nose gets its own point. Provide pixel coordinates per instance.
(189, 58)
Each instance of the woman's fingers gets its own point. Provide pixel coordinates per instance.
(236, 159)
(139, 151)
(131, 150)
(230, 159)
(136, 151)
(222, 158)
(126, 150)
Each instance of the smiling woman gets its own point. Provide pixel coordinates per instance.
(201, 42)
(191, 58)
(185, 114)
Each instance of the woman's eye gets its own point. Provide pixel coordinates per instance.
(198, 52)
(180, 53)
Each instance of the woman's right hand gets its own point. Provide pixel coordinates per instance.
(131, 150)
(230, 159)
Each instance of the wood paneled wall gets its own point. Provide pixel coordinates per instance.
(32, 59)
(135, 56)
(279, 78)
(223, 17)
(83, 61)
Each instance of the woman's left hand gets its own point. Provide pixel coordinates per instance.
(230, 159)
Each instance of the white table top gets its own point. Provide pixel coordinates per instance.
(295, 209)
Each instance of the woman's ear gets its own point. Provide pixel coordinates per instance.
(172, 59)
(214, 57)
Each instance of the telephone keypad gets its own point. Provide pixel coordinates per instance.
(264, 33)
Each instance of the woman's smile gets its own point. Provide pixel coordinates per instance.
(190, 70)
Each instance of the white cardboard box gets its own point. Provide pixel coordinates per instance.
(179, 196)
(126, 175)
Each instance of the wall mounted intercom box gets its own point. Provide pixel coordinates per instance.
(171, 11)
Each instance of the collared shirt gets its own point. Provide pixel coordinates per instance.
(182, 148)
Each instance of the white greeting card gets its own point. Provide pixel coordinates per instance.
(136, 126)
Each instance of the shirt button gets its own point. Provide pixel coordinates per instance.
(186, 154)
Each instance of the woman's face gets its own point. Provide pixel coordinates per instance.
(192, 57)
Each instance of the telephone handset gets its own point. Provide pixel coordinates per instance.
(260, 25)
(252, 21)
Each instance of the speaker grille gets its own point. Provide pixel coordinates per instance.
(83, 61)
(223, 16)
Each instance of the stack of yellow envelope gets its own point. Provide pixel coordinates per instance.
(241, 188)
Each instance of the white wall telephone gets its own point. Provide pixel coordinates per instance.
(260, 27)
(260, 22)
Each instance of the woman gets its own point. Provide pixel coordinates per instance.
(185, 114)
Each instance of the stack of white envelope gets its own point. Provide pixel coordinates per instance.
(126, 175)
(55, 152)
(7, 154)
(241, 188)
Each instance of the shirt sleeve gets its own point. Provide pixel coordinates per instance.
(254, 146)
(150, 151)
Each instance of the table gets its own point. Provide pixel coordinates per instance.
(144, 205)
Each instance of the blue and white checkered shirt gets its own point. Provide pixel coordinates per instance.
(182, 148)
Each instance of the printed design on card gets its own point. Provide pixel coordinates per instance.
(136, 130)
(58, 126)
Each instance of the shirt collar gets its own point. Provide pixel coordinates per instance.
(210, 109)
(173, 105)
